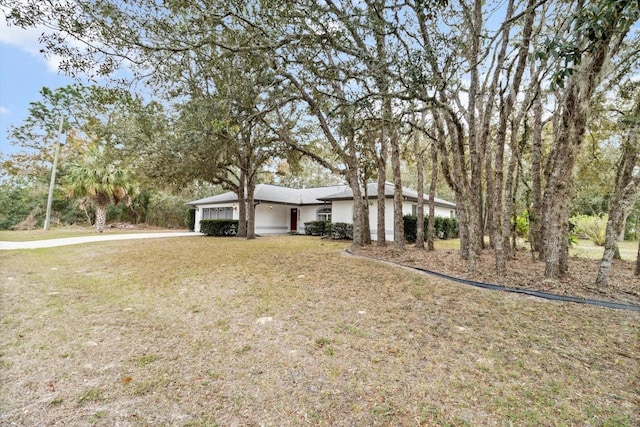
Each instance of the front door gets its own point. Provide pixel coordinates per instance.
(294, 219)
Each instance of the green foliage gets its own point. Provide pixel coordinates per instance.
(522, 224)
(16, 203)
(316, 228)
(572, 239)
(632, 226)
(593, 25)
(590, 227)
(166, 210)
(190, 219)
(219, 227)
(93, 176)
(91, 113)
(445, 228)
(410, 228)
(340, 230)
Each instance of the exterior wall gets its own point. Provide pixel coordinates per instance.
(443, 212)
(276, 219)
(217, 205)
(307, 214)
(388, 217)
(342, 211)
(272, 218)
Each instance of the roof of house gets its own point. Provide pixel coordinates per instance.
(372, 192)
(311, 196)
(276, 194)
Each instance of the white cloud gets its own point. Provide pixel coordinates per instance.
(4, 110)
(28, 40)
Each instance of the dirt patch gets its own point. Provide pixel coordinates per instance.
(522, 272)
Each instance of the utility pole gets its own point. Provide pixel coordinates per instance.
(47, 220)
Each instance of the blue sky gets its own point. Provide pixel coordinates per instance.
(23, 72)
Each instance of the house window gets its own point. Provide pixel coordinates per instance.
(452, 214)
(217, 213)
(324, 214)
(414, 210)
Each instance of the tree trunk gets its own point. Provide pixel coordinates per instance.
(621, 202)
(511, 224)
(366, 224)
(431, 229)
(574, 110)
(382, 176)
(398, 222)
(535, 211)
(556, 212)
(420, 209)
(242, 209)
(624, 196)
(615, 222)
(459, 181)
(496, 189)
(382, 82)
(358, 210)
(476, 147)
(251, 210)
(102, 203)
(638, 260)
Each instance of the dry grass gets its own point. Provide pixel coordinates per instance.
(588, 249)
(290, 331)
(71, 231)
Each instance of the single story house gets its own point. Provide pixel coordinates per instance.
(281, 210)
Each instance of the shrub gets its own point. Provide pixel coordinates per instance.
(590, 227)
(522, 225)
(340, 231)
(20, 201)
(316, 228)
(166, 210)
(445, 228)
(410, 228)
(219, 227)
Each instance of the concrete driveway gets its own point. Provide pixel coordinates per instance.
(35, 244)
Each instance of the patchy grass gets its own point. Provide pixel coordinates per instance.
(289, 331)
(588, 249)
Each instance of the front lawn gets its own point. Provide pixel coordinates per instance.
(291, 331)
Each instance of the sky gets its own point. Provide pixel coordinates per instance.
(23, 72)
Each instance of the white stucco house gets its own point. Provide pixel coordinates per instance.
(281, 210)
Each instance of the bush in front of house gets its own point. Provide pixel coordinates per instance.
(316, 228)
(219, 227)
(340, 231)
(411, 228)
(445, 228)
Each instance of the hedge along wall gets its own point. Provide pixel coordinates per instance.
(336, 230)
(219, 227)
(445, 228)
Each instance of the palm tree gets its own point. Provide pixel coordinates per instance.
(99, 181)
